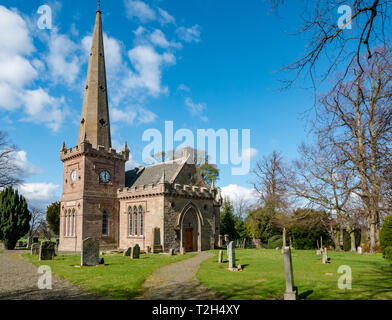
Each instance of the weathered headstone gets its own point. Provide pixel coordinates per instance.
(46, 250)
(359, 250)
(182, 251)
(291, 291)
(220, 257)
(284, 239)
(135, 252)
(324, 259)
(35, 248)
(231, 255)
(220, 241)
(101, 261)
(127, 252)
(227, 239)
(171, 252)
(29, 242)
(90, 252)
(318, 252)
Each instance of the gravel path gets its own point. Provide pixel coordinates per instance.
(178, 282)
(19, 278)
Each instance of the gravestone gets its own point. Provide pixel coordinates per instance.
(171, 252)
(359, 250)
(101, 261)
(227, 239)
(231, 255)
(35, 248)
(90, 252)
(324, 259)
(220, 241)
(182, 251)
(220, 257)
(127, 252)
(318, 252)
(135, 252)
(46, 250)
(291, 291)
(284, 239)
(29, 242)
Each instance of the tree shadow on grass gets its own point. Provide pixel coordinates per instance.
(304, 295)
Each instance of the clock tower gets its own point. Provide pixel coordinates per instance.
(92, 171)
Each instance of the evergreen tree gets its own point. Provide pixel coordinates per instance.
(227, 220)
(14, 217)
(53, 217)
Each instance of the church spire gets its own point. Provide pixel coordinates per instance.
(95, 124)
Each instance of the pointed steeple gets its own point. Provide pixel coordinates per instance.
(95, 122)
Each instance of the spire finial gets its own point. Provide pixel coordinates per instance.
(99, 6)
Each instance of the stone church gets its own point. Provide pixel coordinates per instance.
(163, 206)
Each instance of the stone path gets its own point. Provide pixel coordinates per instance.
(19, 278)
(178, 282)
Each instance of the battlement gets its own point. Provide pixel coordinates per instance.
(166, 188)
(86, 148)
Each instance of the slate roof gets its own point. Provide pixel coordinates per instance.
(153, 174)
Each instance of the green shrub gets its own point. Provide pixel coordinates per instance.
(386, 235)
(388, 253)
(275, 242)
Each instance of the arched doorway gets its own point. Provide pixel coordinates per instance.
(190, 231)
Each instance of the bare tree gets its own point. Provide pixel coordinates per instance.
(337, 46)
(37, 216)
(9, 171)
(270, 181)
(321, 178)
(356, 119)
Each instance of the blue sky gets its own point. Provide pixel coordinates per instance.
(199, 63)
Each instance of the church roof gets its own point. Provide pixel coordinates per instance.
(153, 174)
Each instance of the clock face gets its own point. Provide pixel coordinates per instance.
(104, 176)
(73, 176)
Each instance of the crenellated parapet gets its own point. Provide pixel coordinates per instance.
(166, 188)
(86, 148)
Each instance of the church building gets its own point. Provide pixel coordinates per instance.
(163, 206)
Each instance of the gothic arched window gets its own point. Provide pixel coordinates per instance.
(141, 219)
(135, 220)
(66, 223)
(73, 223)
(105, 223)
(130, 221)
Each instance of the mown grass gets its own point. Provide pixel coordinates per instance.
(264, 278)
(121, 278)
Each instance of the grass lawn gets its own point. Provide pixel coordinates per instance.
(120, 278)
(264, 276)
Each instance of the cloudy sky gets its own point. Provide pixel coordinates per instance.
(201, 64)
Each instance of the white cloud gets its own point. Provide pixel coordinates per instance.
(235, 192)
(191, 34)
(20, 159)
(140, 10)
(249, 153)
(183, 87)
(130, 114)
(196, 109)
(39, 194)
(18, 71)
(148, 64)
(159, 39)
(166, 17)
(63, 58)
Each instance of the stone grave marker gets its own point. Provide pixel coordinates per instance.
(231, 255)
(220, 257)
(35, 248)
(324, 258)
(46, 250)
(171, 252)
(90, 252)
(359, 250)
(291, 291)
(227, 239)
(182, 251)
(135, 252)
(127, 252)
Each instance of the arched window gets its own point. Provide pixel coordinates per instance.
(66, 223)
(105, 224)
(130, 221)
(135, 220)
(141, 219)
(73, 223)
